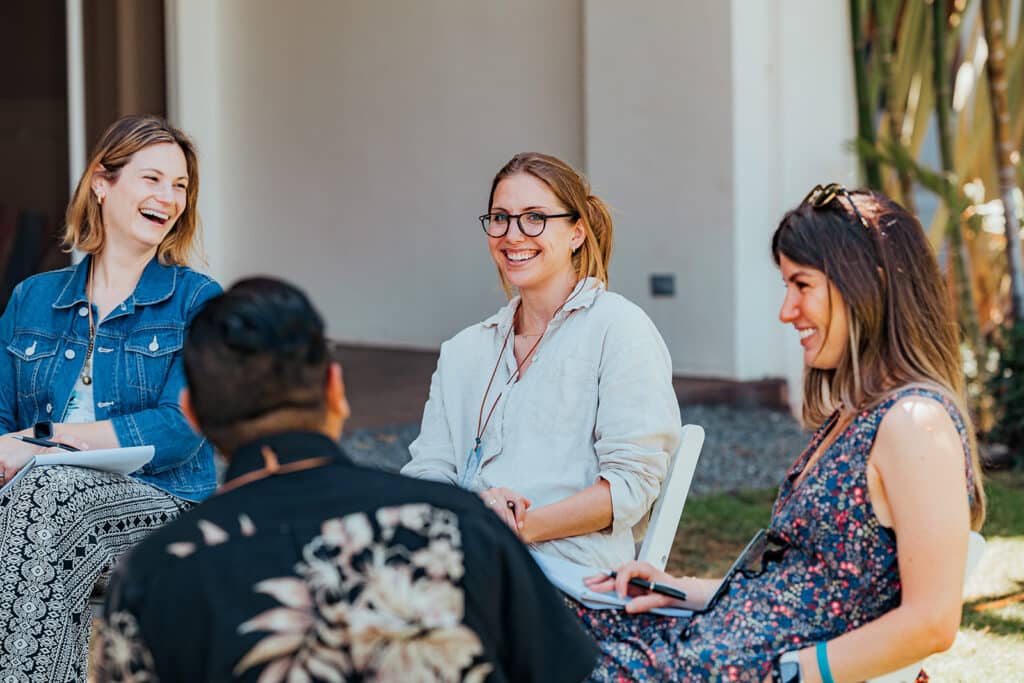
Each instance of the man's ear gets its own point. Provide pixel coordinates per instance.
(185, 401)
(337, 401)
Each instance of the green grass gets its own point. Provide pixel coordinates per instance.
(990, 645)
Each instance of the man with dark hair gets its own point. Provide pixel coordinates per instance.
(307, 567)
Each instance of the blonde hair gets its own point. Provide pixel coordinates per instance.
(573, 190)
(902, 330)
(126, 136)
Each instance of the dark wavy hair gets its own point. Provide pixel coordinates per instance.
(902, 328)
(257, 350)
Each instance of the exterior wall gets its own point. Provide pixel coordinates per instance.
(659, 149)
(793, 115)
(355, 142)
(349, 146)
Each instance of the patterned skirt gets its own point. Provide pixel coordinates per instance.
(61, 530)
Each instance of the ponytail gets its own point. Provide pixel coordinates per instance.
(593, 256)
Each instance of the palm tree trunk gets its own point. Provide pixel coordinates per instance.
(992, 15)
(889, 16)
(958, 248)
(865, 102)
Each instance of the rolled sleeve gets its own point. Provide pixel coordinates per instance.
(638, 426)
(433, 453)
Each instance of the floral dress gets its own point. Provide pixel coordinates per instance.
(838, 572)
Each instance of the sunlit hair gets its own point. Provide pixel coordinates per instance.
(591, 259)
(84, 224)
(902, 328)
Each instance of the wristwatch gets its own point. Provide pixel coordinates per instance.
(786, 668)
(43, 430)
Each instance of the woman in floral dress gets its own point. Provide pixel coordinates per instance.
(865, 553)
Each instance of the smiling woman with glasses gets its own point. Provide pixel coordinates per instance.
(559, 409)
(860, 570)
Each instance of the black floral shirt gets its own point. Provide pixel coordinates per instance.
(335, 573)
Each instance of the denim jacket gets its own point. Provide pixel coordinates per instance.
(137, 366)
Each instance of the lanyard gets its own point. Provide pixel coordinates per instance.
(271, 467)
(476, 453)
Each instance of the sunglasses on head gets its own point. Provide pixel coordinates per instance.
(823, 195)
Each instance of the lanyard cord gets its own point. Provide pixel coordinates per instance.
(481, 422)
(271, 467)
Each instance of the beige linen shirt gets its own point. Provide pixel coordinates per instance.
(595, 402)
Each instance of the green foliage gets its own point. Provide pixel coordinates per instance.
(1007, 389)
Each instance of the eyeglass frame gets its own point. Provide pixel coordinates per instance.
(519, 222)
(821, 196)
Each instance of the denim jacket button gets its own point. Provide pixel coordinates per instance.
(154, 345)
(69, 354)
(31, 350)
(83, 311)
(49, 408)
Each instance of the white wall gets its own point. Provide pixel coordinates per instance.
(659, 149)
(355, 143)
(794, 113)
(349, 146)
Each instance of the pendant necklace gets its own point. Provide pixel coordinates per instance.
(87, 367)
(476, 453)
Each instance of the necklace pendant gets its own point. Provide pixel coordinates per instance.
(86, 380)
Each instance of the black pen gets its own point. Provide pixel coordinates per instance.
(653, 587)
(45, 442)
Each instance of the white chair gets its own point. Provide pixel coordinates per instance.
(975, 549)
(667, 510)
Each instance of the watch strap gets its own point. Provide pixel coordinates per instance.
(43, 430)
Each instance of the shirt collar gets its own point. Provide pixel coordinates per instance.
(583, 295)
(156, 285)
(288, 447)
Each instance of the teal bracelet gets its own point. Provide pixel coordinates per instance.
(821, 649)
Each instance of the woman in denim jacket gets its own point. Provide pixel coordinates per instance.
(90, 356)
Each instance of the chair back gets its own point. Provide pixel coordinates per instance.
(668, 508)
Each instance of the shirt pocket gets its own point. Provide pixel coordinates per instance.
(149, 352)
(34, 353)
(565, 402)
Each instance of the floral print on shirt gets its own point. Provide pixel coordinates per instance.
(365, 600)
(376, 599)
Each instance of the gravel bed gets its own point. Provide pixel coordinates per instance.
(744, 448)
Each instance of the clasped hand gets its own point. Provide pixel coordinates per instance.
(508, 505)
(14, 454)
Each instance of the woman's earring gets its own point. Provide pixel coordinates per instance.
(99, 198)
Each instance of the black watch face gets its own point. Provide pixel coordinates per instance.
(789, 672)
(43, 430)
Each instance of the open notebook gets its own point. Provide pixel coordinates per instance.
(568, 577)
(119, 460)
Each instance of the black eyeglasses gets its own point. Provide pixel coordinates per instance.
(823, 195)
(531, 223)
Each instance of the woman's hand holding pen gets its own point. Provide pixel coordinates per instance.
(14, 453)
(643, 600)
(508, 505)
